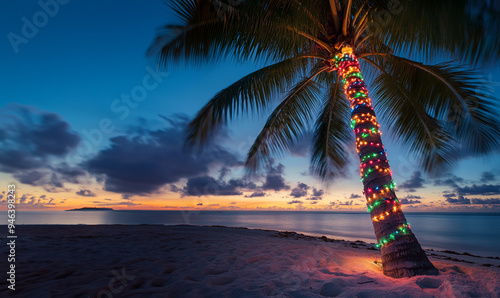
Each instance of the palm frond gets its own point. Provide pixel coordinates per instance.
(456, 108)
(412, 126)
(252, 92)
(249, 30)
(331, 135)
(468, 30)
(287, 122)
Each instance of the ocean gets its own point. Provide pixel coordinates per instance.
(475, 233)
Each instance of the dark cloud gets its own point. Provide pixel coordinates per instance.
(127, 197)
(275, 182)
(175, 188)
(483, 189)
(295, 202)
(29, 138)
(28, 201)
(300, 190)
(274, 178)
(223, 172)
(52, 178)
(490, 201)
(415, 181)
(449, 195)
(199, 204)
(258, 193)
(275, 170)
(354, 196)
(452, 181)
(208, 186)
(411, 199)
(317, 195)
(487, 177)
(85, 193)
(119, 204)
(349, 203)
(461, 200)
(318, 192)
(143, 163)
(33, 145)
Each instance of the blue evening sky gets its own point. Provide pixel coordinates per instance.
(80, 62)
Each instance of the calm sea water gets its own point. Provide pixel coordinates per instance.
(476, 233)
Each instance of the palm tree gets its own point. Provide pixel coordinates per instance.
(314, 51)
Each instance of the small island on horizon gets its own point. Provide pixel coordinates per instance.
(90, 209)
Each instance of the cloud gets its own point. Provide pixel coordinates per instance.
(313, 203)
(223, 172)
(452, 181)
(490, 201)
(143, 162)
(483, 189)
(461, 200)
(209, 186)
(53, 177)
(411, 199)
(274, 178)
(29, 138)
(119, 204)
(275, 182)
(318, 192)
(449, 195)
(300, 190)
(354, 196)
(349, 203)
(317, 195)
(28, 201)
(415, 181)
(258, 193)
(487, 177)
(33, 145)
(127, 197)
(295, 202)
(85, 193)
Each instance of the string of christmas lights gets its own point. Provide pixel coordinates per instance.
(388, 201)
(369, 147)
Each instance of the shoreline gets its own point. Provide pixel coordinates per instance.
(307, 234)
(218, 261)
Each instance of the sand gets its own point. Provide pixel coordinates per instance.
(194, 261)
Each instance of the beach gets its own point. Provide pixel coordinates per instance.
(214, 261)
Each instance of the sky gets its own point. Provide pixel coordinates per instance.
(87, 119)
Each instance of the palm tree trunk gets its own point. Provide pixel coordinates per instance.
(402, 255)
